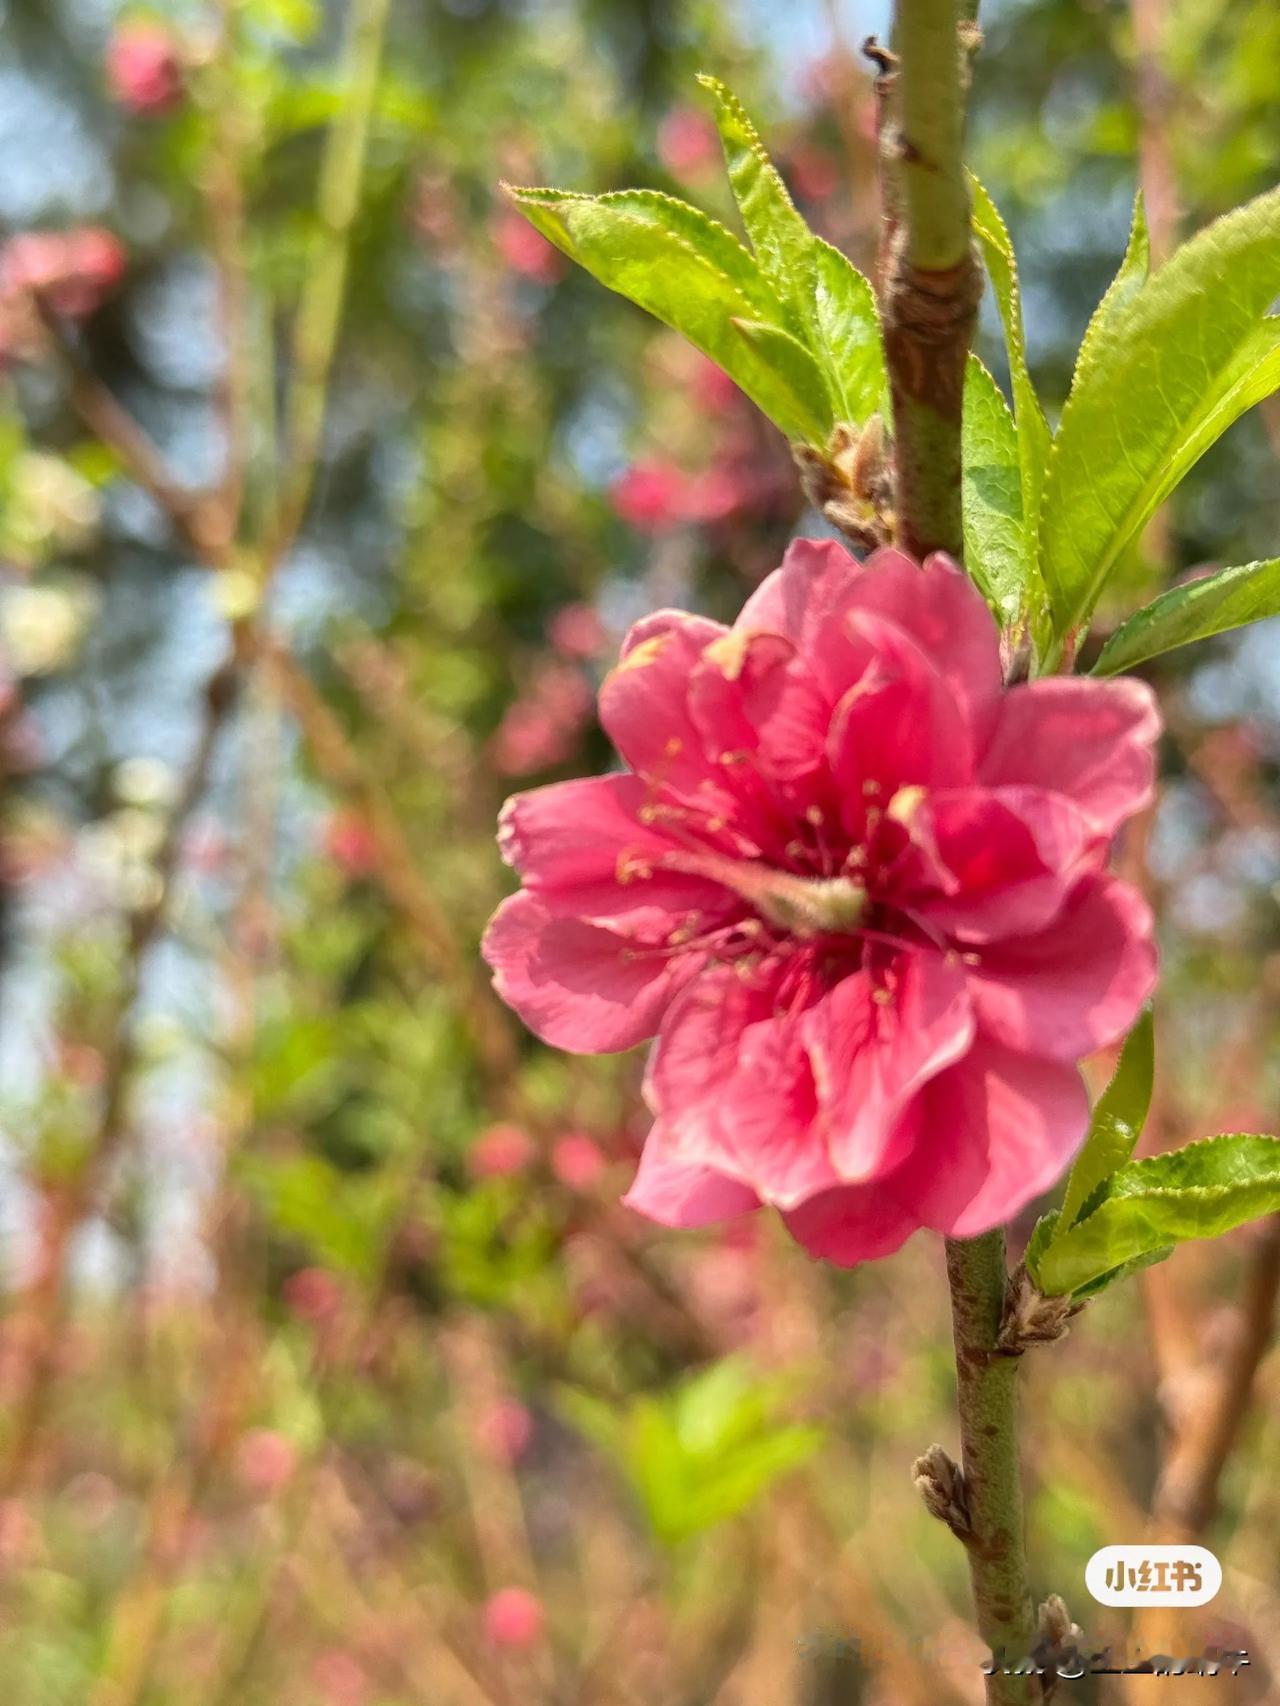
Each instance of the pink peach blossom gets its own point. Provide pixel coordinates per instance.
(350, 843)
(687, 144)
(513, 1618)
(525, 250)
(70, 271)
(649, 495)
(312, 1294)
(265, 1461)
(857, 890)
(578, 1161)
(576, 631)
(501, 1151)
(144, 71)
(504, 1430)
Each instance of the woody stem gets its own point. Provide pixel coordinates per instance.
(930, 289)
(987, 1397)
(931, 282)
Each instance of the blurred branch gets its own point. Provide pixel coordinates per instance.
(70, 1200)
(320, 311)
(1187, 1494)
(224, 199)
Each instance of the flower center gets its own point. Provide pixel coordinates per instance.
(804, 906)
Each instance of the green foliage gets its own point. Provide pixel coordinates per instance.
(1117, 1121)
(1133, 272)
(794, 322)
(1166, 373)
(690, 273)
(1150, 1206)
(996, 547)
(1033, 430)
(1229, 599)
(702, 1453)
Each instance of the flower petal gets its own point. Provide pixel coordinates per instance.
(1076, 986)
(896, 727)
(1000, 1127)
(583, 849)
(643, 702)
(995, 863)
(1091, 740)
(947, 617)
(874, 1041)
(852, 1224)
(675, 1192)
(798, 599)
(733, 1084)
(578, 986)
(752, 700)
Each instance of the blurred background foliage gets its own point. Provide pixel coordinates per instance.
(331, 1373)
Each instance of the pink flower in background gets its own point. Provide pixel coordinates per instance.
(576, 631)
(513, 1618)
(350, 843)
(525, 250)
(814, 173)
(688, 145)
(341, 1679)
(312, 1294)
(542, 727)
(504, 1430)
(144, 72)
(265, 1461)
(857, 890)
(650, 496)
(501, 1151)
(713, 390)
(69, 271)
(578, 1161)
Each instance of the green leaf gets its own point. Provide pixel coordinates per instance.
(781, 239)
(1167, 374)
(703, 1452)
(1117, 1120)
(1230, 599)
(1134, 271)
(997, 552)
(694, 276)
(1201, 1191)
(1002, 268)
(848, 335)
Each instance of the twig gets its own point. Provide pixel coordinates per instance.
(932, 281)
(320, 311)
(931, 298)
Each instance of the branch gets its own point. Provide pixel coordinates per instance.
(932, 282)
(987, 1400)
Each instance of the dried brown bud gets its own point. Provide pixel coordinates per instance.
(940, 1483)
(1031, 1318)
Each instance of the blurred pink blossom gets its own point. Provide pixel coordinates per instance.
(578, 1161)
(69, 271)
(265, 1461)
(542, 727)
(312, 1294)
(513, 1618)
(350, 843)
(525, 250)
(144, 71)
(576, 631)
(650, 495)
(501, 1151)
(342, 1681)
(504, 1430)
(687, 143)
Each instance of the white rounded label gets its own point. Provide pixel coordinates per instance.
(1153, 1575)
